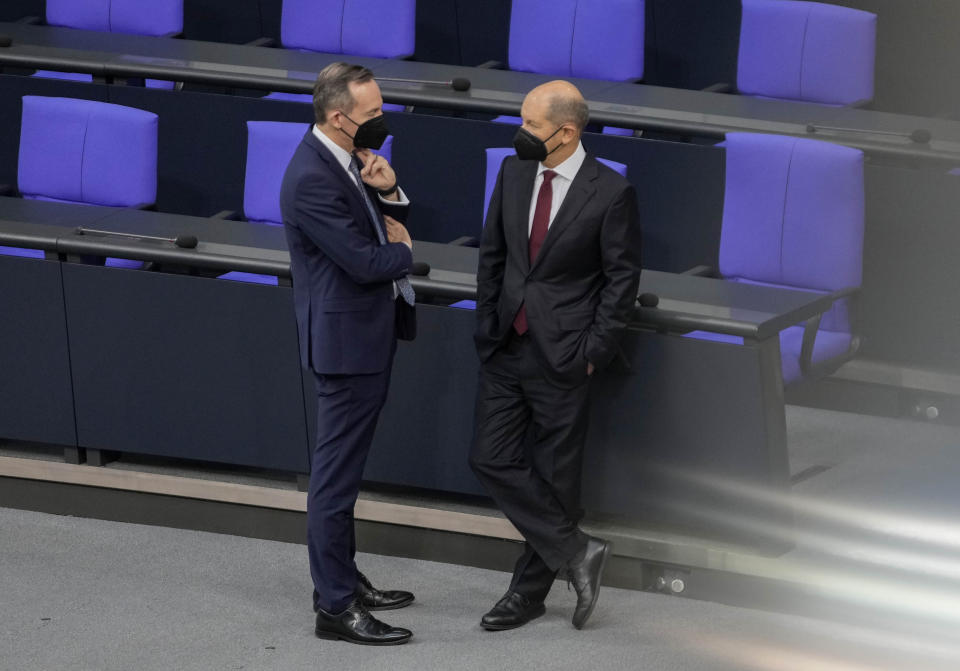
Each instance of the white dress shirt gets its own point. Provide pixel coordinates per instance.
(566, 171)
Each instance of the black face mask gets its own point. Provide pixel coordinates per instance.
(370, 134)
(531, 148)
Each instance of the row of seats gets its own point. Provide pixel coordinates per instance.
(789, 49)
(793, 212)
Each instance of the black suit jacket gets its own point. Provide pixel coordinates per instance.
(581, 289)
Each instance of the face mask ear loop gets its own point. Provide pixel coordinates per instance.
(548, 139)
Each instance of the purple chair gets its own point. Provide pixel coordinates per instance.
(87, 153)
(809, 51)
(158, 18)
(372, 28)
(270, 146)
(590, 39)
(793, 217)
(494, 159)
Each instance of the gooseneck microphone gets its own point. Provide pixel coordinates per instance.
(182, 241)
(919, 136)
(457, 84)
(648, 300)
(5, 41)
(419, 268)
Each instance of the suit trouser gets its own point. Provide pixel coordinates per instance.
(528, 455)
(348, 407)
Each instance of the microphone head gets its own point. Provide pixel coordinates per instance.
(811, 128)
(921, 136)
(419, 268)
(5, 41)
(186, 241)
(460, 84)
(647, 300)
(79, 230)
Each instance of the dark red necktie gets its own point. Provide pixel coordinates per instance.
(541, 221)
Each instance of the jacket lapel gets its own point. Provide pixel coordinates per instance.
(520, 211)
(578, 195)
(348, 184)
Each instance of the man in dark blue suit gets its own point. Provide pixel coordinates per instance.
(350, 256)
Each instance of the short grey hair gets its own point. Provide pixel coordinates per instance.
(332, 88)
(567, 109)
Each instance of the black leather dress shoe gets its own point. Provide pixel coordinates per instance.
(585, 577)
(375, 599)
(512, 611)
(357, 625)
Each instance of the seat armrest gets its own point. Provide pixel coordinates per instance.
(262, 42)
(465, 241)
(701, 271)
(493, 65)
(30, 20)
(719, 87)
(232, 215)
(810, 329)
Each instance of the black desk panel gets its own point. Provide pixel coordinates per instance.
(185, 367)
(688, 416)
(36, 398)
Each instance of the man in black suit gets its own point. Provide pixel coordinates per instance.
(349, 256)
(557, 281)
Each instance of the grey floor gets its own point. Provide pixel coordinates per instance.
(877, 532)
(87, 594)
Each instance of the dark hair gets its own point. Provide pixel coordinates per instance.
(332, 88)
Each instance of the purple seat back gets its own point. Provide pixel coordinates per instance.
(593, 39)
(793, 215)
(495, 157)
(156, 17)
(270, 146)
(806, 51)
(374, 28)
(87, 152)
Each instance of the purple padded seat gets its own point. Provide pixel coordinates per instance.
(374, 28)
(590, 39)
(158, 18)
(809, 51)
(270, 146)
(87, 152)
(793, 217)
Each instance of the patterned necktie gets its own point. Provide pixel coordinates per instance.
(402, 284)
(538, 232)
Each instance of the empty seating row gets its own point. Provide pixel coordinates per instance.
(788, 49)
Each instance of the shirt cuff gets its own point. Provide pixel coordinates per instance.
(401, 196)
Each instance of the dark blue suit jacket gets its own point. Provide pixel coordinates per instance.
(342, 275)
